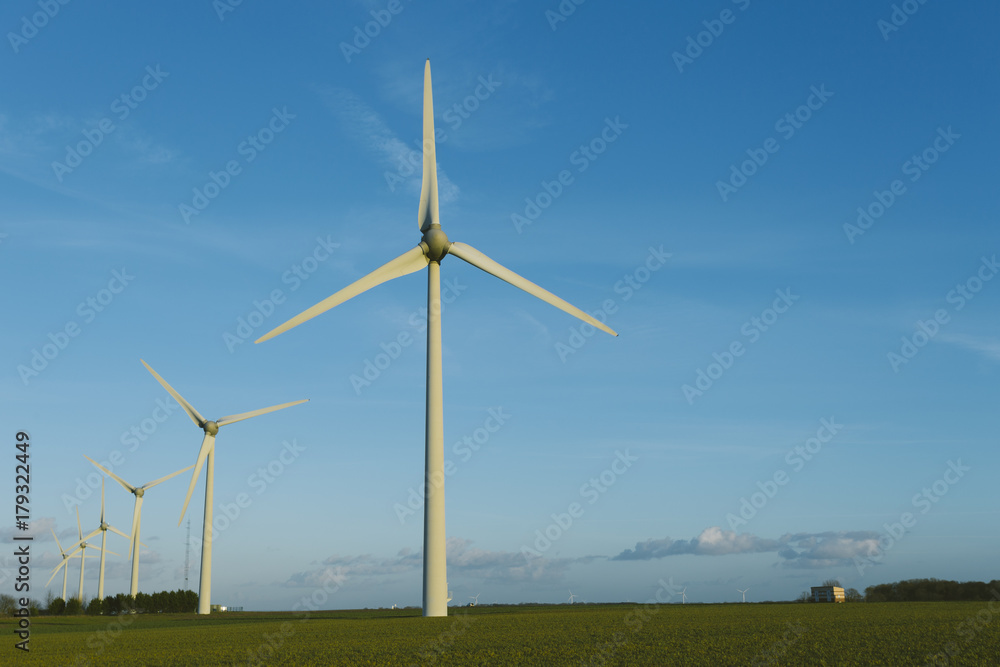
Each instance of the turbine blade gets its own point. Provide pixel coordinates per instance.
(128, 487)
(78, 526)
(127, 537)
(231, 419)
(57, 542)
(102, 500)
(150, 485)
(109, 551)
(56, 571)
(188, 408)
(481, 261)
(408, 262)
(206, 446)
(427, 215)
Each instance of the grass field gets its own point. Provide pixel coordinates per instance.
(733, 634)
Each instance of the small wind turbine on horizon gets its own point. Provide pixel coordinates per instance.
(138, 492)
(684, 597)
(475, 600)
(206, 458)
(571, 597)
(433, 248)
(744, 591)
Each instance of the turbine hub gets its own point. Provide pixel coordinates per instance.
(435, 243)
(139, 492)
(211, 428)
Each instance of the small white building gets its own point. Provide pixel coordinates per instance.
(828, 594)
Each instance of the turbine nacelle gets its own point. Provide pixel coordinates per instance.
(435, 243)
(211, 428)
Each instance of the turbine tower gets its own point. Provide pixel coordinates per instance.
(433, 248)
(103, 529)
(744, 591)
(206, 457)
(138, 492)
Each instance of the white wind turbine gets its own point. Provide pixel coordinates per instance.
(744, 591)
(82, 546)
(571, 597)
(684, 597)
(434, 247)
(66, 555)
(138, 492)
(475, 600)
(206, 457)
(103, 529)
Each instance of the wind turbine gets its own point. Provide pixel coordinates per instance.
(138, 492)
(434, 246)
(475, 600)
(744, 591)
(684, 597)
(103, 529)
(571, 597)
(66, 555)
(206, 457)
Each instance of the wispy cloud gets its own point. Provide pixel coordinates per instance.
(366, 125)
(798, 550)
(464, 560)
(988, 347)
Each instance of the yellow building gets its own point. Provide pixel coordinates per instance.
(828, 594)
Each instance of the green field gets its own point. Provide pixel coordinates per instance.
(733, 634)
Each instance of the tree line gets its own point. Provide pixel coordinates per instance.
(933, 590)
(144, 603)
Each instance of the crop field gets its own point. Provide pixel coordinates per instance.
(622, 634)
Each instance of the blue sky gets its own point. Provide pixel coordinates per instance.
(242, 165)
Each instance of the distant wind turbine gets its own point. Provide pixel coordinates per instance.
(684, 597)
(138, 492)
(64, 564)
(433, 248)
(744, 591)
(475, 600)
(206, 457)
(103, 529)
(571, 597)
